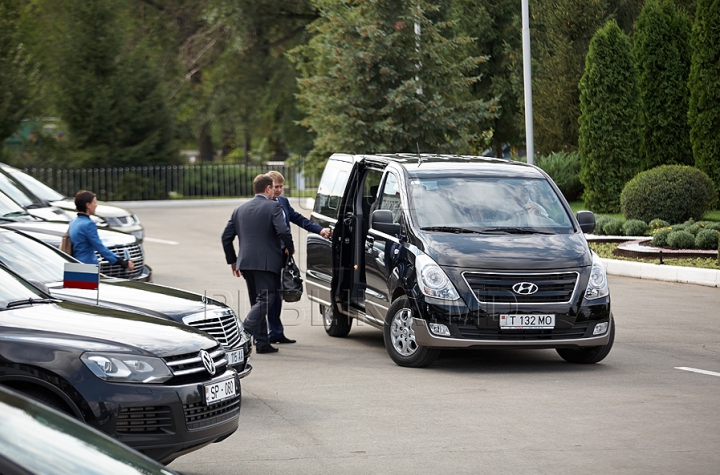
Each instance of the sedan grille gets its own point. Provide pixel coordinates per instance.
(198, 415)
(133, 252)
(144, 420)
(221, 326)
(487, 287)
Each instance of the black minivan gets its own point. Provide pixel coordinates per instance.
(447, 251)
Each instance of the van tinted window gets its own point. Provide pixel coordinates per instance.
(478, 203)
(332, 185)
(390, 198)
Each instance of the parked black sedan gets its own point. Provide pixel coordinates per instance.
(162, 388)
(37, 440)
(43, 264)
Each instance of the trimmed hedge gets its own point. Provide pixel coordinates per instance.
(672, 193)
(634, 227)
(681, 240)
(707, 239)
(660, 237)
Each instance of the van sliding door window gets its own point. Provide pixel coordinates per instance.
(332, 185)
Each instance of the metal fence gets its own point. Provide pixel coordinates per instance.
(164, 182)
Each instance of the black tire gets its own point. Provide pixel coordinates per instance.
(590, 355)
(335, 325)
(399, 337)
(48, 398)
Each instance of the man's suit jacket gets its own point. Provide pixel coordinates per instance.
(292, 216)
(260, 228)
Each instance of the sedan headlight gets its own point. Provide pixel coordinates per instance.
(432, 279)
(121, 368)
(597, 283)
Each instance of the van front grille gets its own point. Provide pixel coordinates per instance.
(492, 288)
(472, 332)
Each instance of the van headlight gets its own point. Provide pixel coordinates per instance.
(433, 281)
(122, 368)
(597, 283)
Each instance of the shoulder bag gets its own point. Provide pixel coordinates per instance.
(291, 284)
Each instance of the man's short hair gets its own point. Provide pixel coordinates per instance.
(82, 199)
(261, 182)
(276, 176)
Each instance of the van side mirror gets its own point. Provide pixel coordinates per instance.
(382, 220)
(586, 220)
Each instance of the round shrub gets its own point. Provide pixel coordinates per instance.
(681, 240)
(658, 224)
(715, 226)
(634, 227)
(564, 169)
(707, 239)
(600, 221)
(672, 193)
(660, 238)
(694, 229)
(613, 227)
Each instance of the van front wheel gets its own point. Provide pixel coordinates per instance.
(336, 325)
(399, 337)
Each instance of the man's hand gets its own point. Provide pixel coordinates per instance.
(326, 233)
(236, 272)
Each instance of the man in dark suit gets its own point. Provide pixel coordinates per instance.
(263, 238)
(275, 326)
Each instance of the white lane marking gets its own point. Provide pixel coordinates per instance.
(695, 370)
(162, 241)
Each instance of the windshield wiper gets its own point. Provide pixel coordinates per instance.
(451, 229)
(19, 302)
(515, 231)
(15, 213)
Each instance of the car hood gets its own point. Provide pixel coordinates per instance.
(52, 213)
(103, 209)
(507, 251)
(149, 299)
(78, 322)
(52, 233)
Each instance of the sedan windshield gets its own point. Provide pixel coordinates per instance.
(14, 291)
(487, 205)
(30, 259)
(38, 188)
(9, 208)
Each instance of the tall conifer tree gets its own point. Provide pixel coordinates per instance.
(387, 76)
(704, 83)
(662, 52)
(609, 124)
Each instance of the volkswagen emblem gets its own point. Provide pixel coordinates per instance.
(525, 288)
(207, 362)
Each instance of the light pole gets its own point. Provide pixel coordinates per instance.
(527, 79)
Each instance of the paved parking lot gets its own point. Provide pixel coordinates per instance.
(329, 406)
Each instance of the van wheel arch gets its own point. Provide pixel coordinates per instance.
(399, 337)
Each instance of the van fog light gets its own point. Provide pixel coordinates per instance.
(600, 328)
(439, 329)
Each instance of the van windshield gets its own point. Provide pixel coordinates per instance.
(487, 205)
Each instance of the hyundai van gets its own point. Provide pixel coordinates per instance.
(448, 252)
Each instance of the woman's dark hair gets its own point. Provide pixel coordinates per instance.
(82, 199)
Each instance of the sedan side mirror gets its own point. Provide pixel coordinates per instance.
(586, 220)
(382, 220)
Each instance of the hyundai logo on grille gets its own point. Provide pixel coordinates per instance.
(207, 361)
(525, 288)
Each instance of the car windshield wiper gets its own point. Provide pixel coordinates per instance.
(515, 231)
(451, 229)
(14, 213)
(19, 302)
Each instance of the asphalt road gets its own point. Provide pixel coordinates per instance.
(341, 406)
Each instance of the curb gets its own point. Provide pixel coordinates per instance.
(684, 275)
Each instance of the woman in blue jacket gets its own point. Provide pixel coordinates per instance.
(84, 236)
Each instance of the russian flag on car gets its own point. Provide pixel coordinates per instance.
(81, 276)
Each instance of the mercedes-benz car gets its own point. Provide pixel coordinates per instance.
(162, 388)
(44, 202)
(43, 265)
(38, 440)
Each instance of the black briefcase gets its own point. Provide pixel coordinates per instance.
(291, 284)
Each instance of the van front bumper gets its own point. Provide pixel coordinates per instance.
(424, 337)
